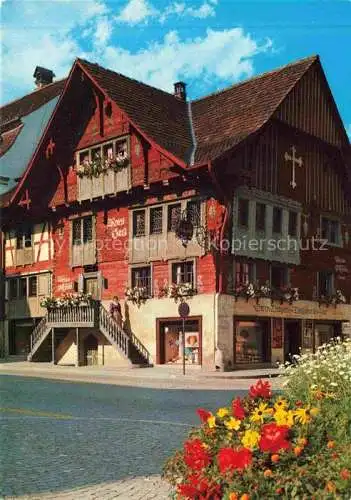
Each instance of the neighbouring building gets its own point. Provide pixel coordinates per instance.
(238, 203)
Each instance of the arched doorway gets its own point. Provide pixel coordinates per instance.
(90, 350)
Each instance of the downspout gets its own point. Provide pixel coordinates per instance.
(192, 133)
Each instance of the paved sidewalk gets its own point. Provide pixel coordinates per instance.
(162, 377)
(138, 488)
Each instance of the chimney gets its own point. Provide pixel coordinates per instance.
(43, 76)
(180, 91)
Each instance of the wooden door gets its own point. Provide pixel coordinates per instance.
(91, 351)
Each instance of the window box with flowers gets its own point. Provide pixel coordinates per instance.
(67, 300)
(177, 291)
(137, 295)
(285, 294)
(333, 299)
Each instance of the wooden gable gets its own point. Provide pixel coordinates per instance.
(310, 107)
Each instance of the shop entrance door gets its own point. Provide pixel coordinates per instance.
(292, 339)
(170, 341)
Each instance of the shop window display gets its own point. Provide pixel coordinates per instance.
(251, 342)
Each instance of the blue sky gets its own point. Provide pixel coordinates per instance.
(209, 44)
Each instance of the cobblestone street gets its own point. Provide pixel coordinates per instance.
(61, 436)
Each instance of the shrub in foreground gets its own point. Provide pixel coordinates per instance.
(262, 446)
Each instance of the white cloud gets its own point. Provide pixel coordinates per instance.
(46, 33)
(103, 31)
(53, 34)
(219, 55)
(136, 11)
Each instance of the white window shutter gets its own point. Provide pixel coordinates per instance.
(43, 284)
(101, 284)
(81, 283)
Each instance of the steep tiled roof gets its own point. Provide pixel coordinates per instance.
(224, 119)
(30, 102)
(159, 114)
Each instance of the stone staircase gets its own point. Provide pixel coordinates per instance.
(91, 316)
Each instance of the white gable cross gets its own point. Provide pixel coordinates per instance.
(295, 161)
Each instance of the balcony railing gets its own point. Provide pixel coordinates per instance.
(77, 316)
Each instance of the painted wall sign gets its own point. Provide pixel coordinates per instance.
(117, 225)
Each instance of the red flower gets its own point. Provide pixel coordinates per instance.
(199, 488)
(203, 414)
(237, 409)
(230, 459)
(195, 454)
(260, 390)
(274, 438)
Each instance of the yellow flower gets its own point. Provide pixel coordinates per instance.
(283, 417)
(304, 415)
(222, 412)
(250, 439)
(232, 424)
(280, 404)
(259, 413)
(211, 421)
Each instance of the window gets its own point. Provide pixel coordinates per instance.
(118, 148)
(139, 223)
(76, 232)
(24, 238)
(22, 288)
(82, 230)
(292, 229)
(141, 278)
(244, 273)
(277, 220)
(174, 213)
(32, 286)
(156, 220)
(331, 230)
(260, 217)
(252, 342)
(183, 272)
(87, 229)
(243, 213)
(13, 289)
(193, 212)
(325, 283)
(279, 276)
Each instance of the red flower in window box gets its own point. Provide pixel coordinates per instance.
(229, 459)
(203, 414)
(274, 438)
(260, 390)
(237, 409)
(195, 455)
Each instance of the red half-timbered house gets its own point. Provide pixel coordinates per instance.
(238, 203)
